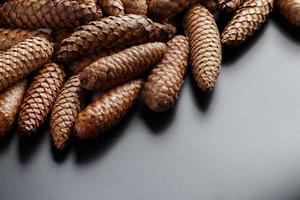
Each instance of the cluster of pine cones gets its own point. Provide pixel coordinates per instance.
(108, 46)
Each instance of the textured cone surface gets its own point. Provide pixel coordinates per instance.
(107, 110)
(60, 35)
(10, 102)
(10, 37)
(47, 13)
(205, 46)
(211, 5)
(40, 98)
(164, 83)
(106, 33)
(138, 7)
(163, 32)
(247, 21)
(22, 59)
(88, 2)
(65, 111)
(166, 9)
(125, 65)
(290, 9)
(230, 6)
(81, 63)
(112, 7)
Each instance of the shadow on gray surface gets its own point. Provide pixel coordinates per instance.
(157, 122)
(88, 150)
(292, 32)
(6, 140)
(27, 146)
(60, 155)
(202, 99)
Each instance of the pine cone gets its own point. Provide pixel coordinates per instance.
(22, 59)
(211, 5)
(163, 85)
(88, 2)
(125, 65)
(247, 21)
(78, 65)
(163, 10)
(112, 7)
(290, 9)
(163, 32)
(138, 7)
(47, 14)
(10, 102)
(230, 6)
(107, 110)
(65, 111)
(205, 46)
(40, 98)
(60, 35)
(10, 37)
(106, 33)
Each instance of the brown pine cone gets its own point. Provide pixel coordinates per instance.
(10, 37)
(204, 39)
(138, 7)
(163, 32)
(230, 6)
(40, 98)
(10, 102)
(78, 65)
(60, 35)
(290, 9)
(106, 33)
(164, 83)
(112, 7)
(88, 2)
(107, 110)
(47, 13)
(247, 21)
(211, 5)
(163, 10)
(22, 59)
(125, 65)
(65, 110)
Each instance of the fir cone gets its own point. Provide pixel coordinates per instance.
(164, 83)
(40, 98)
(10, 102)
(78, 65)
(89, 2)
(65, 111)
(290, 9)
(105, 33)
(138, 7)
(107, 110)
(54, 14)
(10, 37)
(163, 10)
(230, 6)
(60, 35)
(125, 65)
(163, 32)
(112, 7)
(205, 46)
(22, 59)
(247, 21)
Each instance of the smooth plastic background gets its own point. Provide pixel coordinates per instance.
(240, 143)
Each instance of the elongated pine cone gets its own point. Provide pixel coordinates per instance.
(10, 103)
(138, 7)
(78, 65)
(65, 110)
(164, 82)
(10, 37)
(230, 6)
(89, 2)
(107, 110)
(290, 9)
(40, 98)
(23, 58)
(106, 33)
(125, 65)
(205, 46)
(247, 21)
(163, 32)
(54, 14)
(163, 10)
(112, 7)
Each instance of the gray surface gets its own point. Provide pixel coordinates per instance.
(241, 143)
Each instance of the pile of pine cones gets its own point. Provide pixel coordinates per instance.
(108, 46)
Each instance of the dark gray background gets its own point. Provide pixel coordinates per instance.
(240, 143)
